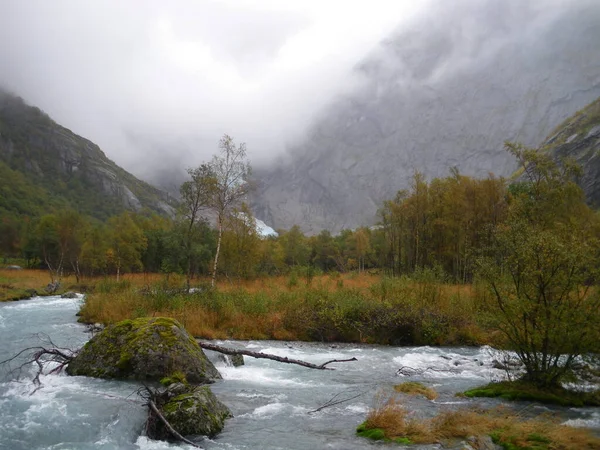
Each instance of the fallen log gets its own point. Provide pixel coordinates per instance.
(281, 359)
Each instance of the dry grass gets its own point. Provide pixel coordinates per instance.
(416, 388)
(344, 307)
(337, 307)
(15, 284)
(506, 428)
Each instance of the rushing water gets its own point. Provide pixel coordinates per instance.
(271, 402)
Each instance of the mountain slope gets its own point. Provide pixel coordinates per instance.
(44, 166)
(445, 92)
(579, 138)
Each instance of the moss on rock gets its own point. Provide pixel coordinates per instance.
(149, 348)
(190, 410)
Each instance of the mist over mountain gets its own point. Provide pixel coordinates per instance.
(45, 167)
(445, 91)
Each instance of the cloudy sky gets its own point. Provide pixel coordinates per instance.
(145, 79)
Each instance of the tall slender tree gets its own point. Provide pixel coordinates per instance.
(231, 171)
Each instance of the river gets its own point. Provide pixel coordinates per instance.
(271, 402)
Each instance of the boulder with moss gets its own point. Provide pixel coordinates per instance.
(191, 410)
(148, 349)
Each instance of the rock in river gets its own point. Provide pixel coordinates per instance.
(191, 410)
(149, 348)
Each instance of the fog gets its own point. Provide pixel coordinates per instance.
(157, 83)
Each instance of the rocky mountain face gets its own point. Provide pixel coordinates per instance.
(579, 138)
(445, 91)
(68, 167)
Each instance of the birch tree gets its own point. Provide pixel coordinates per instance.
(231, 170)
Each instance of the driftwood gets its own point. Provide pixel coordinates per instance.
(231, 351)
(411, 371)
(336, 400)
(42, 355)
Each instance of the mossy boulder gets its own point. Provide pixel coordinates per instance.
(191, 410)
(149, 348)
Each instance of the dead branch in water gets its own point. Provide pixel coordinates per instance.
(336, 400)
(231, 351)
(411, 371)
(42, 355)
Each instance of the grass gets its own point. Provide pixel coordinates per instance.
(520, 390)
(22, 284)
(416, 388)
(389, 420)
(348, 308)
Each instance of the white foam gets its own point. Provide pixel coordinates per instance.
(38, 302)
(144, 443)
(592, 422)
(267, 396)
(273, 409)
(444, 364)
(261, 375)
(359, 409)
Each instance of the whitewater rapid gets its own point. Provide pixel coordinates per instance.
(273, 403)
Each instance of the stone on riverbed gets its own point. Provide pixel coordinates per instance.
(150, 348)
(191, 410)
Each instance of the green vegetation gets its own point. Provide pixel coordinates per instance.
(45, 167)
(525, 391)
(542, 268)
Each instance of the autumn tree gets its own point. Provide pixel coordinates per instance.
(362, 245)
(230, 172)
(126, 242)
(197, 194)
(60, 237)
(542, 269)
(241, 243)
(295, 247)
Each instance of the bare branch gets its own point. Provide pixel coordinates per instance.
(411, 371)
(172, 430)
(231, 351)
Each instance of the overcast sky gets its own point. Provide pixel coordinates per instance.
(144, 79)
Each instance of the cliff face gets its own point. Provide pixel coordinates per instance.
(69, 167)
(579, 138)
(446, 92)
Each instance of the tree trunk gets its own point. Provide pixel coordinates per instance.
(232, 351)
(214, 274)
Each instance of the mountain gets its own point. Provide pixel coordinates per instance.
(445, 91)
(44, 166)
(579, 138)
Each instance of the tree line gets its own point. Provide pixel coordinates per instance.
(444, 225)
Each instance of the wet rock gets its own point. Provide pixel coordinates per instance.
(191, 410)
(150, 348)
(69, 294)
(232, 360)
(52, 287)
